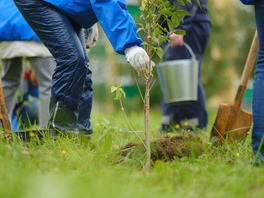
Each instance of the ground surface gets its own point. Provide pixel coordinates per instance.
(63, 168)
(167, 148)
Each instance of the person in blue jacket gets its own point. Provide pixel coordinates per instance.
(198, 28)
(58, 24)
(258, 86)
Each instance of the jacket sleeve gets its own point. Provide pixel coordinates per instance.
(117, 23)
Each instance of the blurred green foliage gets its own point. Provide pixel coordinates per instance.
(233, 28)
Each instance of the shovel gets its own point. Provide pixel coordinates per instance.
(232, 121)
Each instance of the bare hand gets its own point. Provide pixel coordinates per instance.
(176, 40)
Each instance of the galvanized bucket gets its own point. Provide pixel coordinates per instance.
(179, 79)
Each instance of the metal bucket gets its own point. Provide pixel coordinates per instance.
(179, 79)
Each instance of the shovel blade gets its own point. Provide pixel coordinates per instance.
(231, 123)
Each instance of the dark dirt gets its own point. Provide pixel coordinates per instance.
(167, 148)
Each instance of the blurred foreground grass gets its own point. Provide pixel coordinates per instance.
(65, 168)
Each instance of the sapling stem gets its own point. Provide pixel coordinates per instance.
(151, 13)
(123, 110)
(146, 104)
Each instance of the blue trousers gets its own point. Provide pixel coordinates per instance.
(197, 38)
(71, 94)
(258, 87)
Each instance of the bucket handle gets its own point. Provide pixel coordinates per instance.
(187, 47)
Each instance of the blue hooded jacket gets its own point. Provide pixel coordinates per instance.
(13, 26)
(113, 16)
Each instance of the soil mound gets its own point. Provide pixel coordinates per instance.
(167, 148)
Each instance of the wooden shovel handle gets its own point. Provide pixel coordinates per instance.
(247, 70)
(4, 120)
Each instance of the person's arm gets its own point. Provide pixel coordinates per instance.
(117, 23)
(121, 30)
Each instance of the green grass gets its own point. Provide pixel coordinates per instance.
(63, 168)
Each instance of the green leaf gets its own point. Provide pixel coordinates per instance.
(140, 29)
(122, 92)
(198, 2)
(118, 95)
(180, 32)
(113, 89)
(162, 39)
(159, 52)
(157, 32)
(155, 40)
(119, 85)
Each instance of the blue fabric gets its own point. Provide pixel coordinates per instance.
(112, 15)
(248, 2)
(197, 37)
(13, 26)
(25, 112)
(258, 88)
(71, 93)
(253, 2)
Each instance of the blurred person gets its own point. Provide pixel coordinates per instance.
(58, 24)
(258, 86)
(198, 28)
(25, 112)
(17, 40)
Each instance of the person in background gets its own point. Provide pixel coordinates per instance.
(198, 28)
(17, 40)
(58, 24)
(25, 112)
(258, 86)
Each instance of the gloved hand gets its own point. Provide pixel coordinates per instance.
(91, 36)
(138, 59)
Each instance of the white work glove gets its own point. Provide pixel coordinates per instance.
(92, 36)
(138, 59)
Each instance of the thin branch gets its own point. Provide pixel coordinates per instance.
(123, 110)
(152, 84)
(152, 54)
(138, 87)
